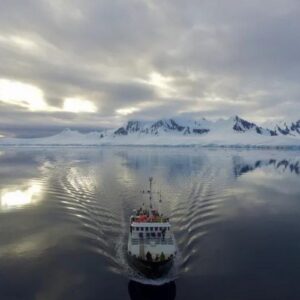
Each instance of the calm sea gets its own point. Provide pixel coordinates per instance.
(64, 216)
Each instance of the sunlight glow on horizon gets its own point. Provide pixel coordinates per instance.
(22, 94)
(31, 97)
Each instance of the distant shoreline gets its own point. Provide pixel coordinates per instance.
(242, 147)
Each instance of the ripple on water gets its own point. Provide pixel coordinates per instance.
(74, 193)
(196, 212)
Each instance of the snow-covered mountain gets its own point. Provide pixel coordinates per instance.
(191, 127)
(232, 132)
(66, 137)
(164, 126)
(286, 128)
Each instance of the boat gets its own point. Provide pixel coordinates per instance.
(151, 243)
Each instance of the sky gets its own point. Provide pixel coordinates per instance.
(91, 64)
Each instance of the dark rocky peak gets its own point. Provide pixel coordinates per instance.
(283, 129)
(197, 131)
(258, 130)
(121, 131)
(175, 126)
(200, 130)
(295, 127)
(242, 125)
(166, 125)
(187, 131)
(133, 126)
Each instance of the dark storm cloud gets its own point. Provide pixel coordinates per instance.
(212, 58)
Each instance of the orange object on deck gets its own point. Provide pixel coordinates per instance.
(142, 218)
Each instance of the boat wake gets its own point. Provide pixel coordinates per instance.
(99, 212)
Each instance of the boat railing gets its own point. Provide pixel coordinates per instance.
(156, 241)
(141, 219)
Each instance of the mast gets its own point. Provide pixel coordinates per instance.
(150, 191)
(159, 203)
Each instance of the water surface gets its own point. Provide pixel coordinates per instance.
(64, 217)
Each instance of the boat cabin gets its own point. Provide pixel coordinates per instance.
(150, 233)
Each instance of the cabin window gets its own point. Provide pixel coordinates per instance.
(142, 228)
(147, 234)
(159, 234)
(151, 228)
(155, 228)
(152, 234)
(146, 228)
(141, 234)
(137, 228)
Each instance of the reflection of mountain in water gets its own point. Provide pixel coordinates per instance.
(241, 167)
(140, 291)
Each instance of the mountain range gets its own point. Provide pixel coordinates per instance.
(231, 132)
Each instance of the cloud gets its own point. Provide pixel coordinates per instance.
(127, 110)
(139, 58)
(32, 98)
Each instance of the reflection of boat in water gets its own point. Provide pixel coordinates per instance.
(151, 244)
(140, 291)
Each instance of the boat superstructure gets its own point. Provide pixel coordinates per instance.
(151, 244)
